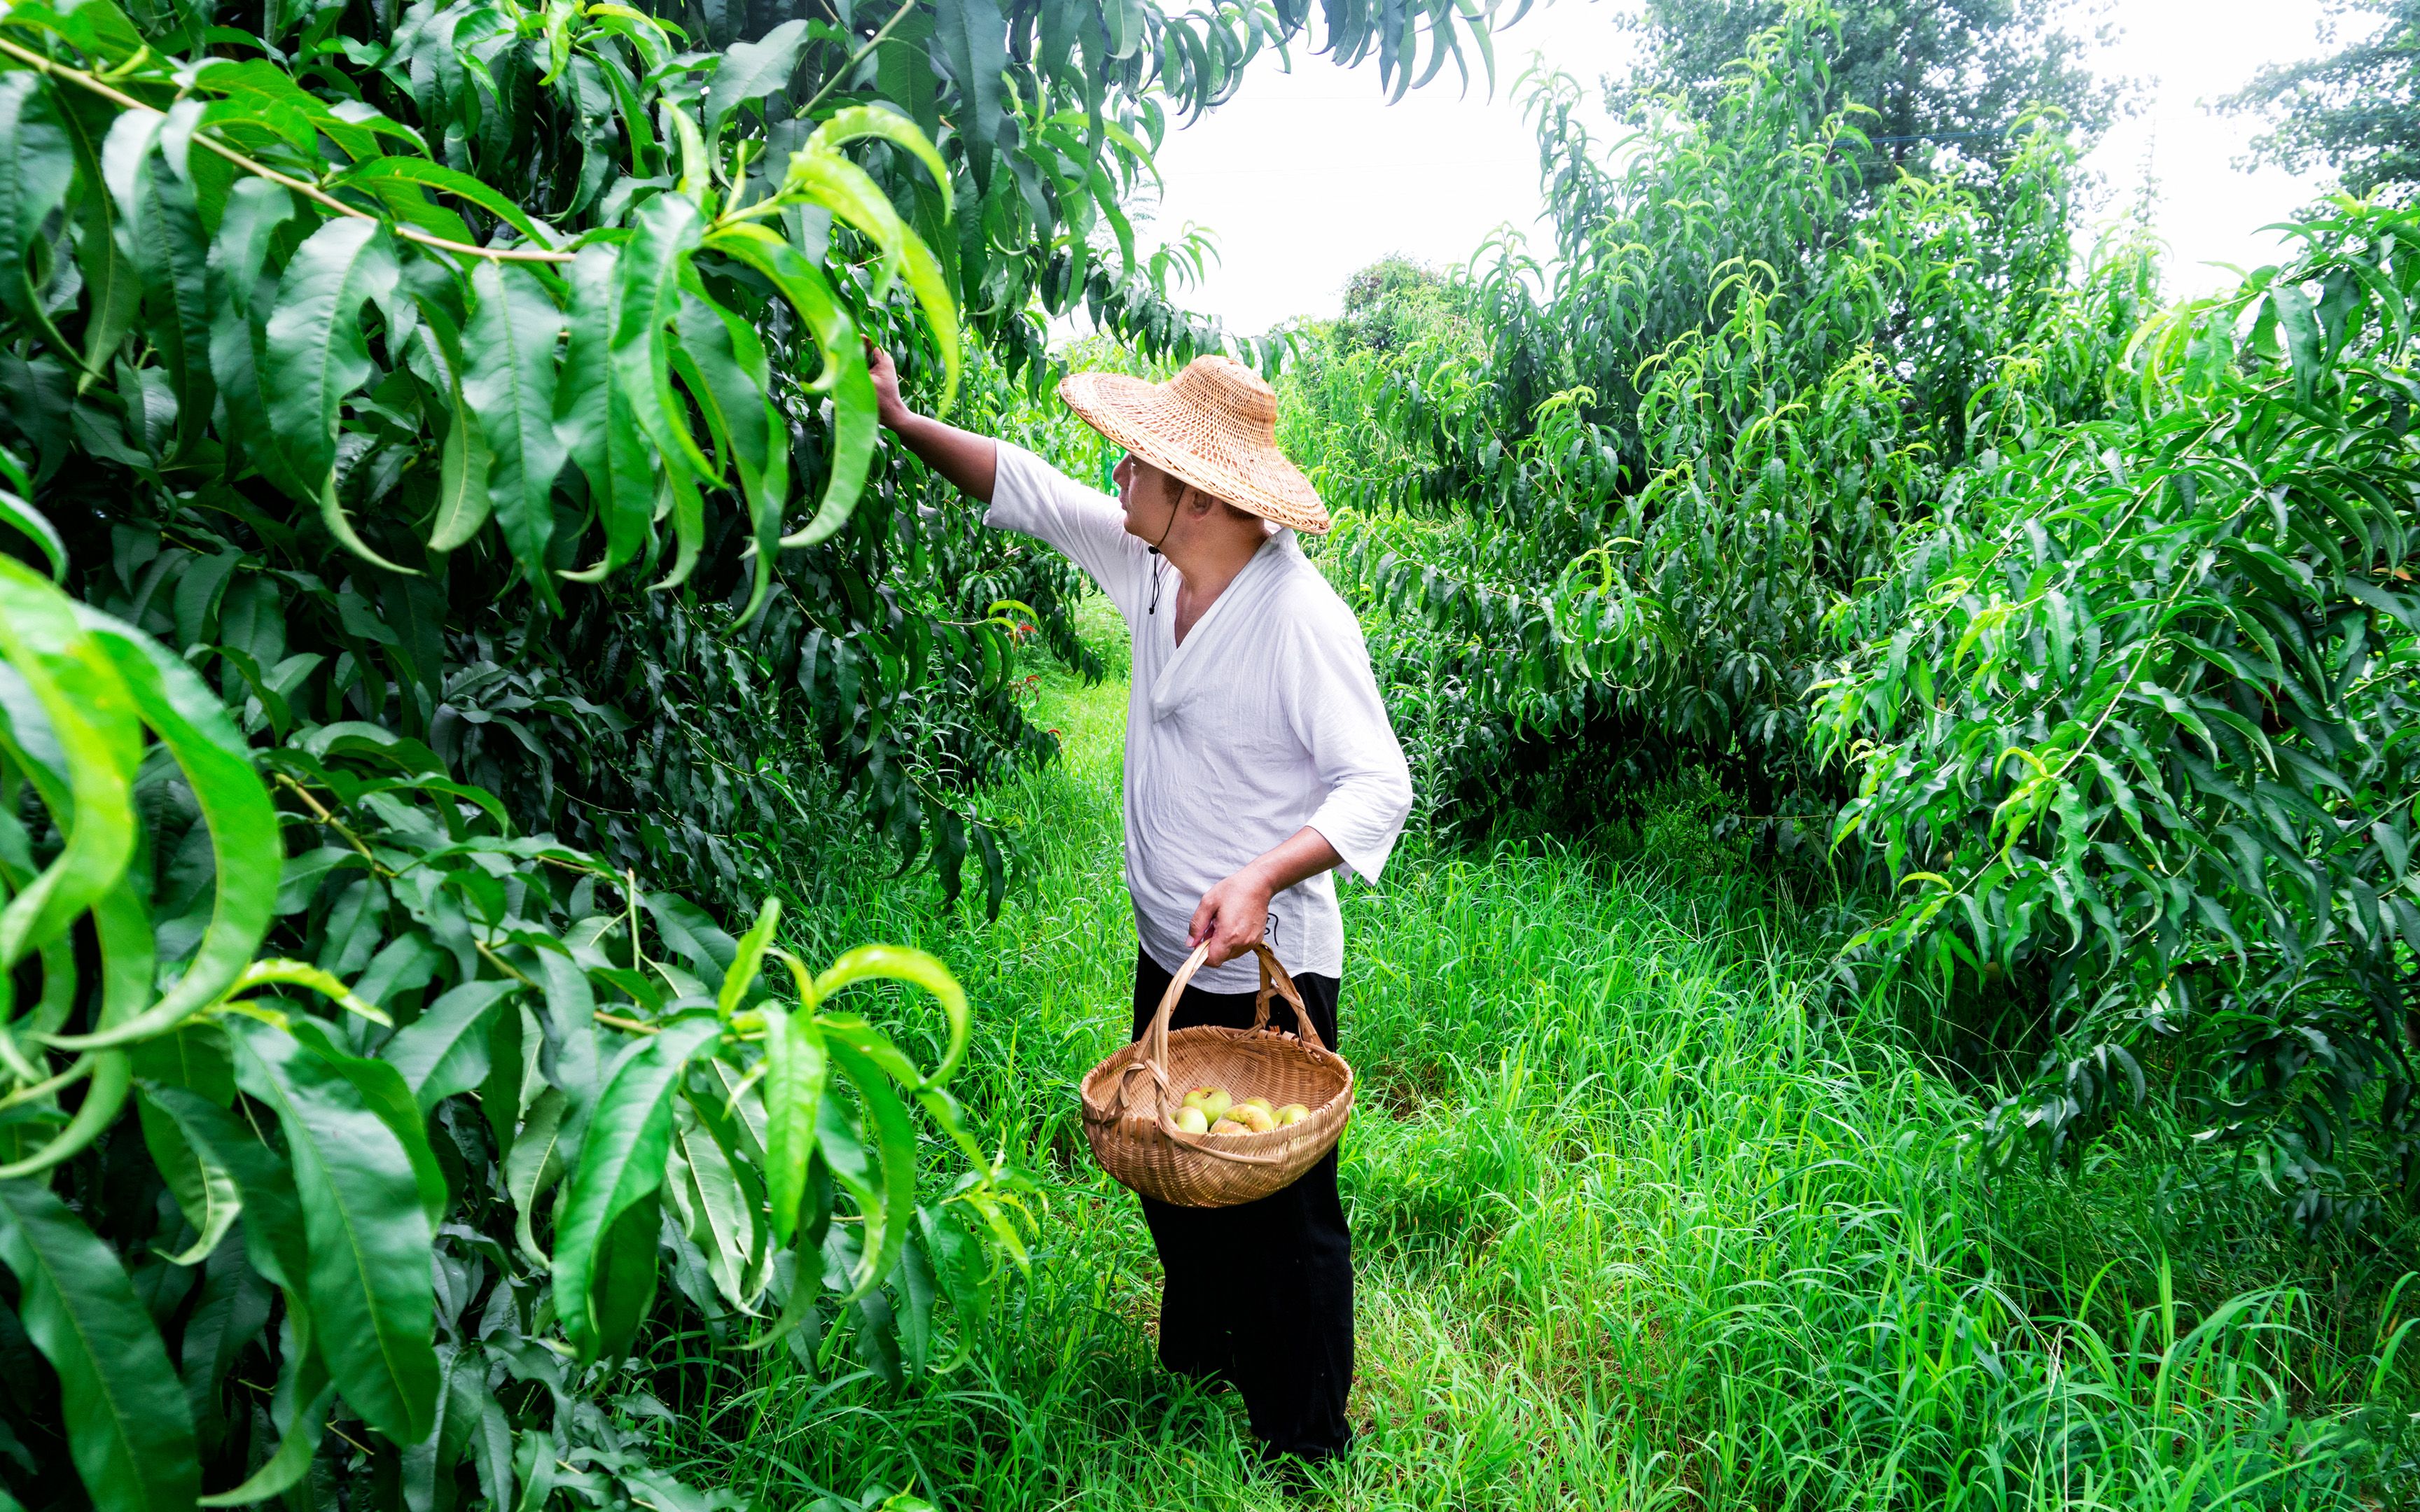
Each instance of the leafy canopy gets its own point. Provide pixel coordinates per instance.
(2356, 111)
(445, 432)
(1946, 81)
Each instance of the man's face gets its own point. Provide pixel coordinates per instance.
(1148, 495)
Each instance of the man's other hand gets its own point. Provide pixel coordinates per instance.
(1231, 916)
(886, 403)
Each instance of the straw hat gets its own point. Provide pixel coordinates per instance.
(1213, 425)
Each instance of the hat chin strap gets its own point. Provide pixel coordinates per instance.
(1184, 493)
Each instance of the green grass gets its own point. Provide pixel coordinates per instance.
(1638, 1227)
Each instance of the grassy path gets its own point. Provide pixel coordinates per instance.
(1637, 1227)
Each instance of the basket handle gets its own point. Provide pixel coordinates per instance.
(1154, 1056)
(1273, 979)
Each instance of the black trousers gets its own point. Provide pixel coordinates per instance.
(1260, 1294)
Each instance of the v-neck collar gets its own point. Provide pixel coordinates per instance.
(1170, 683)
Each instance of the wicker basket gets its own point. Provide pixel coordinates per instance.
(1131, 1099)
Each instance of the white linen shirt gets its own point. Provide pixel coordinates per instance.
(1264, 720)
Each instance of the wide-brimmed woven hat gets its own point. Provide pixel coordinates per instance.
(1213, 425)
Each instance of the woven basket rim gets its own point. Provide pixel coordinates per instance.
(1134, 1137)
(1098, 1108)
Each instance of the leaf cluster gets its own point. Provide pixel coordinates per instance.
(347, 1086)
(1679, 441)
(2134, 712)
(1949, 83)
(2353, 111)
(456, 415)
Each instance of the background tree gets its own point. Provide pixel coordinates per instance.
(1389, 303)
(2106, 612)
(2356, 111)
(1939, 74)
(1632, 485)
(445, 428)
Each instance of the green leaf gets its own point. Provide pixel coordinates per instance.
(378, 173)
(316, 354)
(689, 526)
(841, 186)
(974, 39)
(233, 1305)
(203, 1184)
(855, 419)
(690, 934)
(534, 1165)
(36, 163)
(509, 379)
(97, 29)
(624, 1286)
(463, 501)
(749, 956)
(621, 1161)
(794, 1068)
(714, 1213)
(444, 1051)
(273, 1237)
(195, 1058)
(93, 729)
(128, 1429)
(750, 71)
(852, 123)
(373, 1308)
(730, 378)
(895, 963)
(284, 1470)
(245, 844)
(172, 250)
(2302, 340)
(385, 1092)
(129, 957)
(113, 285)
(669, 229)
(239, 298)
(36, 527)
(885, 1197)
(593, 417)
(805, 1269)
(104, 1096)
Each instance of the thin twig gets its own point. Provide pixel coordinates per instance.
(312, 192)
(858, 56)
(329, 819)
(616, 1022)
(504, 966)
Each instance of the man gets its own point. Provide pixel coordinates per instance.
(1258, 763)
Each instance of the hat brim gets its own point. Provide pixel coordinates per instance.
(1134, 413)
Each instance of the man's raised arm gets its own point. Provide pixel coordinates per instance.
(969, 460)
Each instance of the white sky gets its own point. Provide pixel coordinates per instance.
(1304, 176)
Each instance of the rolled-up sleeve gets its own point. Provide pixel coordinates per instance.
(1032, 498)
(1341, 722)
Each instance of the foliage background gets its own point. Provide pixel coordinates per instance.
(1771, 478)
(447, 425)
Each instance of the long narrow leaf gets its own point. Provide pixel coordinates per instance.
(129, 1430)
(369, 1236)
(621, 1161)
